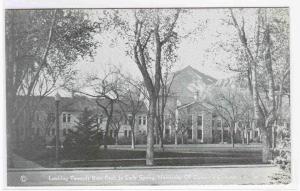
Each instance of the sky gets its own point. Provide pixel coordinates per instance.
(192, 51)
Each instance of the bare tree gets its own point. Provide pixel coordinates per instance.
(270, 41)
(173, 122)
(183, 123)
(116, 124)
(230, 104)
(151, 39)
(165, 92)
(132, 103)
(106, 90)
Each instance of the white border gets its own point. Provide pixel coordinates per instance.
(295, 77)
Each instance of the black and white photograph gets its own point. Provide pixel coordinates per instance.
(147, 96)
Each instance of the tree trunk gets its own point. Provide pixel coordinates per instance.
(150, 133)
(232, 133)
(222, 134)
(247, 137)
(274, 136)
(266, 152)
(117, 139)
(132, 139)
(176, 139)
(243, 136)
(161, 144)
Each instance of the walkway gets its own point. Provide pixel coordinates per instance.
(20, 162)
(196, 175)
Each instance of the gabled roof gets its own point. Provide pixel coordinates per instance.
(188, 81)
(206, 78)
(203, 104)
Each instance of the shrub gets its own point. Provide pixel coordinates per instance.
(141, 139)
(282, 156)
(124, 140)
(84, 141)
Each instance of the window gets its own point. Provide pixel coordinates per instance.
(167, 133)
(140, 120)
(189, 133)
(69, 117)
(199, 120)
(255, 133)
(111, 133)
(219, 123)
(53, 131)
(190, 120)
(64, 132)
(125, 133)
(144, 120)
(64, 118)
(199, 134)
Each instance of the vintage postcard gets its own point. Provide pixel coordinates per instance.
(145, 95)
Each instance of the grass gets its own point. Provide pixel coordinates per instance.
(115, 158)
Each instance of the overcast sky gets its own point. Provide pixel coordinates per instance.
(192, 51)
(198, 50)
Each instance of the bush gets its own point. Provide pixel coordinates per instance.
(124, 140)
(83, 142)
(282, 156)
(141, 139)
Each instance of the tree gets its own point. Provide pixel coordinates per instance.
(165, 92)
(151, 39)
(41, 44)
(259, 48)
(230, 103)
(271, 38)
(184, 123)
(173, 122)
(85, 139)
(131, 104)
(116, 124)
(107, 92)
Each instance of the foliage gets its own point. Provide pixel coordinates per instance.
(85, 139)
(41, 48)
(282, 156)
(124, 140)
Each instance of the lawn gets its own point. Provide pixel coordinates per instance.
(120, 157)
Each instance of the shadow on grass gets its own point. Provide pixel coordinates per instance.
(122, 158)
